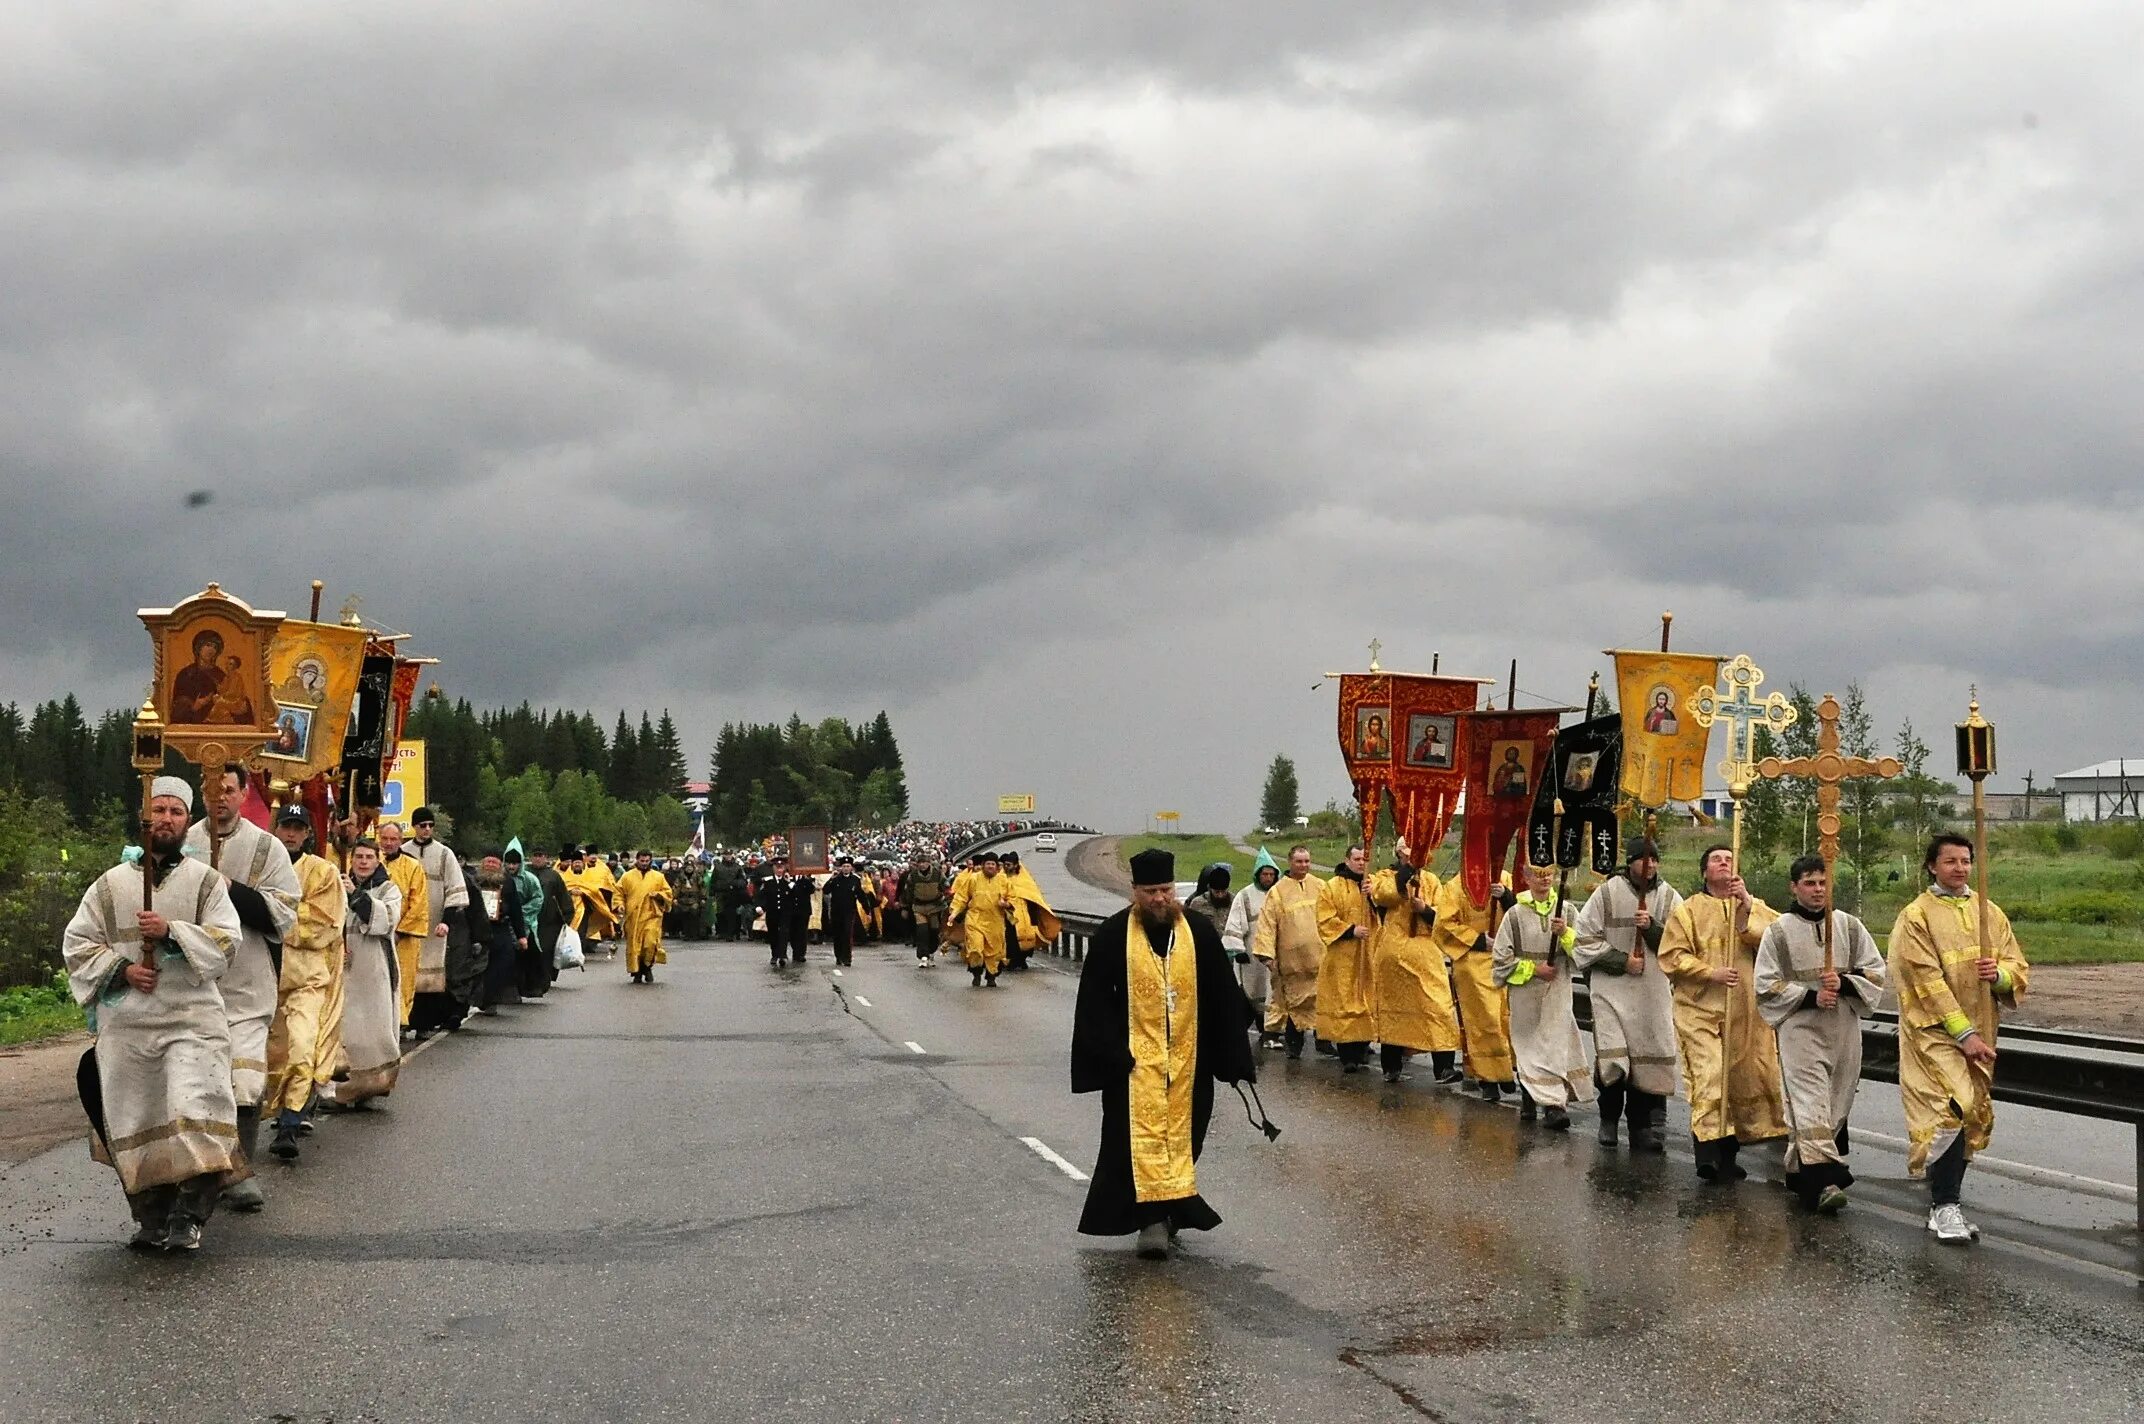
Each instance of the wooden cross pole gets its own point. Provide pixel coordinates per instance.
(1828, 769)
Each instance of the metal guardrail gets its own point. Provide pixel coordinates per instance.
(2058, 1070)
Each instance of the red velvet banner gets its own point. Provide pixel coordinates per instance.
(1507, 753)
(1405, 733)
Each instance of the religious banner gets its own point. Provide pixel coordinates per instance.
(314, 669)
(1663, 745)
(1507, 754)
(1404, 733)
(1574, 804)
(211, 682)
(807, 850)
(365, 745)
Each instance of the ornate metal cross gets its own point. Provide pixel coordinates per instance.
(1376, 647)
(1743, 713)
(1828, 769)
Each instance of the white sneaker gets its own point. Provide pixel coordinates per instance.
(1950, 1226)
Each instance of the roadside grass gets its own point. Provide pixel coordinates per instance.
(40, 1011)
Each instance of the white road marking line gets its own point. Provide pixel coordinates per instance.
(914, 1047)
(837, 973)
(2020, 1171)
(862, 1002)
(427, 1043)
(1042, 1149)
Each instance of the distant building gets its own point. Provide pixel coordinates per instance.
(2109, 791)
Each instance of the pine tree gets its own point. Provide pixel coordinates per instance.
(668, 758)
(620, 776)
(1281, 802)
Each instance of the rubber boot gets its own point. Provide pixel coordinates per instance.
(247, 1195)
(1293, 1037)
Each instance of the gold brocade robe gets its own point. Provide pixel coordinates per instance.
(1464, 933)
(1346, 1012)
(407, 872)
(979, 907)
(646, 896)
(594, 901)
(1411, 992)
(312, 953)
(1287, 938)
(1162, 1004)
(1934, 946)
(1034, 923)
(1700, 938)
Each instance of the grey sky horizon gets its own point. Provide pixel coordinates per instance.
(1080, 384)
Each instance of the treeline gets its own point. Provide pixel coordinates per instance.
(551, 776)
(765, 778)
(54, 755)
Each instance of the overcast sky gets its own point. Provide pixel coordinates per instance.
(1079, 382)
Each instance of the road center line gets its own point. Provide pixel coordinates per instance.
(1042, 1149)
(914, 1047)
(862, 1002)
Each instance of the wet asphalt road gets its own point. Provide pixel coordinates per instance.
(745, 1195)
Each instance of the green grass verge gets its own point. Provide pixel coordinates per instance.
(42, 1011)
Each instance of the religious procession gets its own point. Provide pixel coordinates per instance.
(1754, 1011)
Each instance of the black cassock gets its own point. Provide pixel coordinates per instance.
(1102, 1062)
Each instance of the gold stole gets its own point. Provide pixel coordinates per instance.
(1164, 1042)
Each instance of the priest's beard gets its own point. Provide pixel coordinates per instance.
(1158, 926)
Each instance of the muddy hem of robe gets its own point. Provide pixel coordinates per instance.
(1183, 1213)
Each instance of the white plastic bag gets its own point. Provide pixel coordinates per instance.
(568, 954)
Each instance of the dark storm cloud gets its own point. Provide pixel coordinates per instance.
(1049, 375)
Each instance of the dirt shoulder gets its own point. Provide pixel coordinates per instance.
(37, 1085)
(1097, 861)
(2094, 998)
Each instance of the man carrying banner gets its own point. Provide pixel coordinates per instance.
(1532, 961)
(1730, 1063)
(1619, 934)
(1346, 925)
(312, 952)
(157, 1086)
(1951, 985)
(1465, 934)
(1412, 993)
(1815, 982)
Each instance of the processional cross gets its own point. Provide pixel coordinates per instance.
(1743, 713)
(1376, 647)
(1828, 770)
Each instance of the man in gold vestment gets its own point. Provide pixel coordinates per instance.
(1465, 932)
(1287, 939)
(646, 896)
(1347, 1018)
(1730, 1057)
(1951, 990)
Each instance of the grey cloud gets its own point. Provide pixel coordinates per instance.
(1081, 382)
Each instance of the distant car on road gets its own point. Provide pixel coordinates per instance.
(1047, 840)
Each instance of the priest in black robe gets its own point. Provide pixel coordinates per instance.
(1159, 1018)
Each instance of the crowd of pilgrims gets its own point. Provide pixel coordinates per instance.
(237, 982)
(1760, 1009)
